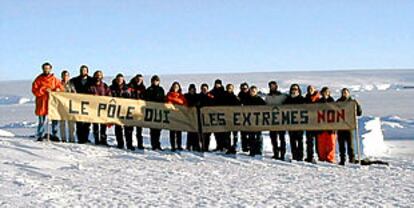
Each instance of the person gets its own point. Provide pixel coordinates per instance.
(243, 95)
(155, 93)
(218, 93)
(326, 139)
(41, 86)
(345, 138)
(274, 98)
(176, 97)
(193, 139)
(206, 99)
(312, 96)
(120, 89)
(66, 124)
(82, 84)
(99, 88)
(137, 88)
(296, 137)
(255, 138)
(230, 99)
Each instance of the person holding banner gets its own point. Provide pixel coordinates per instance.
(155, 93)
(137, 88)
(326, 139)
(82, 84)
(193, 140)
(176, 97)
(274, 98)
(255, 138)
(119, 88)
(296, 137)
(312, 96)
(99, 88)
(206, 99)
(70, 125)
(41, 86)
(230, 99)
(243, 95)
(345, 138)
(218, 93)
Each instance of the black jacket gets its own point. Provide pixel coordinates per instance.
(192, 99)
(230, 99)
(205, 99)
(295, 100)
(243, 97)
(326, 100)
(344, 99)
(120, 90)
(137, 90)
(155, 94)
(82, 85)
(254, 100)
(218, 95)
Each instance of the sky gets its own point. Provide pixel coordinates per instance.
(177, 36)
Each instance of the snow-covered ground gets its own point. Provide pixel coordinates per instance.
(42, 174)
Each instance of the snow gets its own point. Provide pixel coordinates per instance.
(55, 174)
(43, 174)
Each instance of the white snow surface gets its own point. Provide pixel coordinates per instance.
(44, 174)
(41, 174)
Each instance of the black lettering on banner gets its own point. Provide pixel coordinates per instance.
(246, 119)
(304, 117)
(285, 117)
(111, 110)
(118, 114)
(275, 116)
(101, 106)
(83, 107)
(293, 117)
(148, 114)
(266, 116)
(236, 119)
(130, 109)
(71, 110)
(212, 119)
(257, 116)
(221, 119)
(166, 119)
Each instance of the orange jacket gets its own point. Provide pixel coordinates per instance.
(176, 98)
(39, 89)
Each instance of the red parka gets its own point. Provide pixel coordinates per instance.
(176, 98)
(40, 88)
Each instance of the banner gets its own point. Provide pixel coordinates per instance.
(326, 116)
(121, 111)
(130, 112)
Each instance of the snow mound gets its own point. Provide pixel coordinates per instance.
(19, 124)
(11, 100)
(372, 138)
(4, 133)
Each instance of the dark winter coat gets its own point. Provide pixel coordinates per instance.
(295, 100)
(192, 99)
(100, 89)
(82, 85)
(254, 100)
(326, 100)
(344, 99)
(137, 90)
(230, 99)
(218, 95)
(314, 98)
(243, 97)
(206, 99)
(120, 90)
(155, 94)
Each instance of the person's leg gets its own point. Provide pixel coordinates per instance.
(206, 141)
(79, 132)
(152, 139)
(244, 141)
(179, 140)
(341, 141)
(273, 139)
(41, 128)
(62, 127)
(119, 136)
(128, 130)
(86, 131)
(293, 145)
(71, 133)
(252, 143)
(350, 144)
(282, 147)
(309, 146)
(55, 125)
(95, 130)
(103, 138)
(140, 140)
(259, 143)
(300, 146)
(158, 139)
(235, 139)
(172, 140)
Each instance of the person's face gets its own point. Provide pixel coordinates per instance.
(192, 91)
(311, 90)
(273, 87)
(176, 87)
(253, 92)
(65, 77)
(294, 90)
(156, 82)
(99, 76)
(47, 69)
(84, 71)
(345, 93)
(244, 89)
(217, 85)
(326, 93)
(230, 88)
(140, 80)
(120, 80)
(204, 90)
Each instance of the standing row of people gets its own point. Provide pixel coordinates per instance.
(322, 141)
